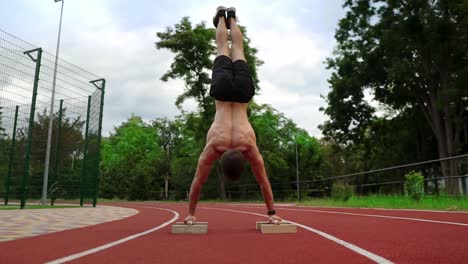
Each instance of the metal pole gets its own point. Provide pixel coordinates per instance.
(24, 185)
(297, 173)
(85, 153)
(49, 134)
(166, 187)
(12, 156)
(166, 183)
(101, 109)
(57, 152)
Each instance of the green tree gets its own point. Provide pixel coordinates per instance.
(390, 141)
(129, 159)
(184, 156)
(267, 123)
(277, 139)
(194, 50)
(333, 161)
(309, 154)
(169, 135)
(411, 55)
(71, 144)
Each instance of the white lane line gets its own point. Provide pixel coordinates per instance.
(379, 216)
(331, 207)
(259, 204)
(117, 242)
(350, 208)
(384, 209)
(371, 215)
(358, 250)
(420, 210)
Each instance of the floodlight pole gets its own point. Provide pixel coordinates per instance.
(51, 114)
(297, 171)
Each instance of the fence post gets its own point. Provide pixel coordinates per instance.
(402, 183)
(85, 153)
(329, 187)
(24, 186)
(101, 109)
(12, 156)
(57, 154)
(358, 183)
(436, 185)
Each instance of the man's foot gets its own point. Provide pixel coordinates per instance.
(231, 12)
(220, 12)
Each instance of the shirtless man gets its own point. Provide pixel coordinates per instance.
(231, 137)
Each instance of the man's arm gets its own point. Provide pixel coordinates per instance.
(205, 161)
(258, 168)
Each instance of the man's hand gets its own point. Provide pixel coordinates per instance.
(190, 220)
(274, 219)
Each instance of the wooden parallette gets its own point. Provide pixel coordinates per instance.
(283, 227)
(197, 228)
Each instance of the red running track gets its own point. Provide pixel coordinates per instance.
(327, 235)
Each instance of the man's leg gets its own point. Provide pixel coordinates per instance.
(237, 49)
(243, 81)
(222, 38)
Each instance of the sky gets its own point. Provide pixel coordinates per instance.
(115, 39)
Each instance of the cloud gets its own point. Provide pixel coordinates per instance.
(115, 39)
(293, 38)
(293, 76)
(133, 68)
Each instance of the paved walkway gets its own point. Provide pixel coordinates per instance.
(16, 224)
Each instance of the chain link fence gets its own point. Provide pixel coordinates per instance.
(26, 92)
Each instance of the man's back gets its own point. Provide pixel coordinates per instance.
(231, 128)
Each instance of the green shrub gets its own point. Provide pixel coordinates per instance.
(291, 196)
(414, 185)
(341, 192)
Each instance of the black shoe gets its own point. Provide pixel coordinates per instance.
(220, 12)
(231, 12)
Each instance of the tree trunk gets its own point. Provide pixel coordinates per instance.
(452, 184)
(443, 130)
(447, 168)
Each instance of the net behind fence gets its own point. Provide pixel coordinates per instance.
(26, 97)
(384, 181)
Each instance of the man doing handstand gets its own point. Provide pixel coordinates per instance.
(231, 137)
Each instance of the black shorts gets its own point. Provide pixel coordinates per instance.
(231, 81)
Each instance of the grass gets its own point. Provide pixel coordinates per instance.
(373, 201)
(35, 206)
(395, 202)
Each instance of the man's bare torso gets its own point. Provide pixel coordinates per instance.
(231, 128)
